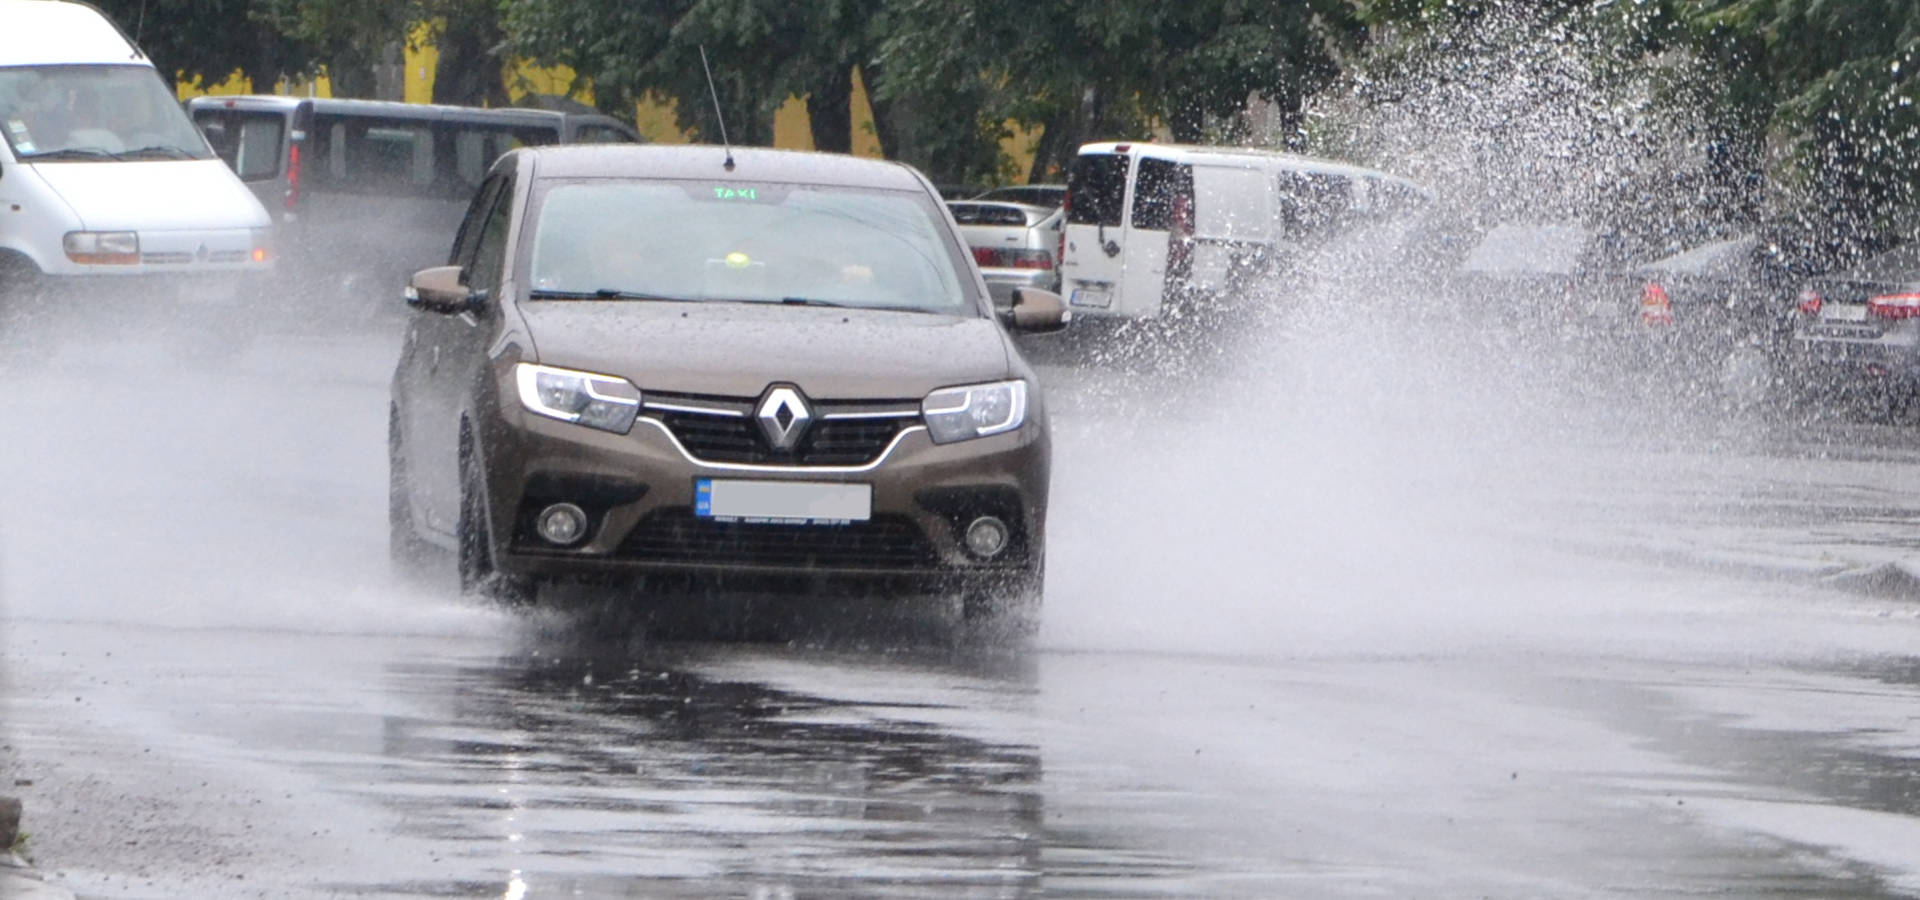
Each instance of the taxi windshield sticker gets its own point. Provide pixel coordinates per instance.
(22, 139)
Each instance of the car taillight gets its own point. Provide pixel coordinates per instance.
(1810, 303)
(1895, 306)
(1026, 259)
(983, 256)
(1655, 307)
(293, 177)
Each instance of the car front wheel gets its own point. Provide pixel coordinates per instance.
(475, 540)
(1005, 607)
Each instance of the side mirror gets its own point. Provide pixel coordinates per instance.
(1035, 311)
(439, 290)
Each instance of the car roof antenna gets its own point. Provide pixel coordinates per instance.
(717, 114)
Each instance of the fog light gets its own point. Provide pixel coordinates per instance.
(986, 537)
(562, 524)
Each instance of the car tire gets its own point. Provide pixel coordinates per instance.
(474, 538)
(1008, 608)
(19, 282)
(408, 551)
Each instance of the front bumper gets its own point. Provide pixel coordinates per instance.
(638, 492)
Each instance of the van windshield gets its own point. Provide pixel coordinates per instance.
(94, 112)
(733, 242)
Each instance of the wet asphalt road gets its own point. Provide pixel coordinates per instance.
(1398, 645)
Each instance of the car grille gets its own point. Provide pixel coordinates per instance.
(677, 535)
(723, 429)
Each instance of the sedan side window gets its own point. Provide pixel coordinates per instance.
(490, 251)
(469, 234)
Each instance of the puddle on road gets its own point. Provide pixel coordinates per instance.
(610, 776)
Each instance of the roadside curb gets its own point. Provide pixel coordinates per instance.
(19, 881)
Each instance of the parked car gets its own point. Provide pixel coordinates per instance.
(1013, 244)
(107, 182)
(1857, 332)
(1559, 276)
(1051, 196)
(366, 191)
(786, 369)
(1716, 317)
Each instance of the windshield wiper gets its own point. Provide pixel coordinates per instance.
(163, 151)
(836, 304)
(606, 294)
(70, 153)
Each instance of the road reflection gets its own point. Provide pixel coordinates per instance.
(586, 770)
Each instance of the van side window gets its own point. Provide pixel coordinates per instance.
(1097, 186)
(1155, 190)
(600, 134)
(490, 251)
(249, 143)
(1312, 204)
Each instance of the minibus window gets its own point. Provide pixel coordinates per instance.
(1158, 183)
(1313, 204)
(1097, 186)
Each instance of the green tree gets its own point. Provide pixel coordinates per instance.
(1090, 71)
(1830, 87)
(210, 39)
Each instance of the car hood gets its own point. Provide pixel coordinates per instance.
(156, 195)
(736, 349)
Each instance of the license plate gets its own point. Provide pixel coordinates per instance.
(1086, 297)
(782, 502)
(1844, 312)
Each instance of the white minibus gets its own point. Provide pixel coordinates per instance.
(1149, 225)
(101, 171)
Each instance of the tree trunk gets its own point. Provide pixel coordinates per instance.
(468, 72)
(1058, 143)
(886, 114)
(1188, 121)
(351, 74)
(830, 112)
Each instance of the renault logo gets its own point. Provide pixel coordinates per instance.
(784, 417)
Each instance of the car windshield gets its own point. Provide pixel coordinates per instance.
(94, 112)
(703, 241)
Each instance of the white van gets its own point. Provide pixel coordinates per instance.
(101, 172)
(1152, 223)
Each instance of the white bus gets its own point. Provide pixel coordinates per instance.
(1149, 224)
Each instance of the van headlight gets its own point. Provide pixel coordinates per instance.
(583, 398)
(102, 248)
(975, 410)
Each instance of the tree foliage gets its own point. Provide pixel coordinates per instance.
(1818, 94)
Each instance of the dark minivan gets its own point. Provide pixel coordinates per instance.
(364, 192)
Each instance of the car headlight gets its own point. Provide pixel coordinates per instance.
(114, 248)
(975, 410)
(583, 398)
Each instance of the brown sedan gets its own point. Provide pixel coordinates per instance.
(764, 367)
